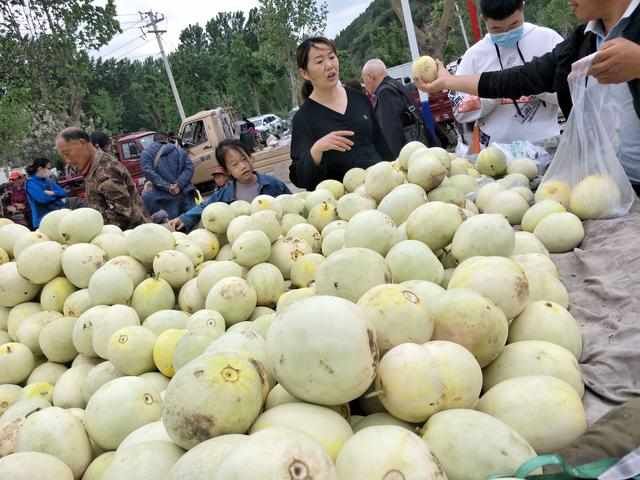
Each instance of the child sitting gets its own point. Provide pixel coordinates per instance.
(246, 184)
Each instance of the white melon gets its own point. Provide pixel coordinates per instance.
(488, 445)
(483, 235)
(435, 224)
(546, 411)
(467, 318)
(333, 339)
(80, 226)
(350, 272)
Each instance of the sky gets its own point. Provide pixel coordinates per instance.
(180, 14)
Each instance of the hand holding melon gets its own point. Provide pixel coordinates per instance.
(428, 74)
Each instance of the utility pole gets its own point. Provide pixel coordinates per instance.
(154, 20)
(411, 37)
(410, 28)
(464, 30)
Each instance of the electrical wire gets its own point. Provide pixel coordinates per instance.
(110, 53)
(132, 50)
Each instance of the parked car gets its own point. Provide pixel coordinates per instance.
(268, 124)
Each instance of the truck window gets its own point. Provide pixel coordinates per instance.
(130, 150)
(194, 133)
(147, 140)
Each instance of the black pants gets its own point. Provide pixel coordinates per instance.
(636, 188)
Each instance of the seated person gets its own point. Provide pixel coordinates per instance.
(246, 184)
(18, 205)
(44, 195)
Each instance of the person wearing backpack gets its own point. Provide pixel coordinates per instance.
(170, 170)
(399, 119)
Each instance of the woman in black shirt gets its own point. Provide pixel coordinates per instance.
(334, 130)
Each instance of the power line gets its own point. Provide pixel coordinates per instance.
(108, 54)
(135, 27)
(132, 50)
(138, 57)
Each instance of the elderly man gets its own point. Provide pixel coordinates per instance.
(391, 107)
(108, 184)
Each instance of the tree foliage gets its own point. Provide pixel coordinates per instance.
(48, 80)
(378, 32)
(44, 68)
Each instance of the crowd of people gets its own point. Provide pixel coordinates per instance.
(510, 85)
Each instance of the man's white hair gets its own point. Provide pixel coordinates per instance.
(375, 67)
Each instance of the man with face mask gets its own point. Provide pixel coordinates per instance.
(510, 42)
(613, 31)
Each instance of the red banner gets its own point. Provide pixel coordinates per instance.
(475, 24)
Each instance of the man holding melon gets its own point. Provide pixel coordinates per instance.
(613, 30)
(510, 42)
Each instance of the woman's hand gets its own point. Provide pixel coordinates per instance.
(338, 140)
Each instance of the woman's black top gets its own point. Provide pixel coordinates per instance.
(313, 121)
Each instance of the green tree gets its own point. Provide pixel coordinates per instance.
(43, 47)
(106, 111)
(284, 24)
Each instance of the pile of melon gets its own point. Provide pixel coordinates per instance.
(392, 326)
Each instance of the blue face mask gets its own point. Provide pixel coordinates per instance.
(508, 39)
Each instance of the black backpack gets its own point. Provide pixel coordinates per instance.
(413, 125)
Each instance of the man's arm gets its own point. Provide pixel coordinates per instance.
(470, 108)
(116, 204)
(388, 112)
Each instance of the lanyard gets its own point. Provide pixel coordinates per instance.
(515, 103)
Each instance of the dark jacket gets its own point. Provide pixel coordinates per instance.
(173, 166)
(39, 202)
(389, 106)
(111, 191)
(549, 73)
(268, 185)
(313, 121)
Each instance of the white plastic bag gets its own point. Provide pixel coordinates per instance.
(585, 174)
(525, 149)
